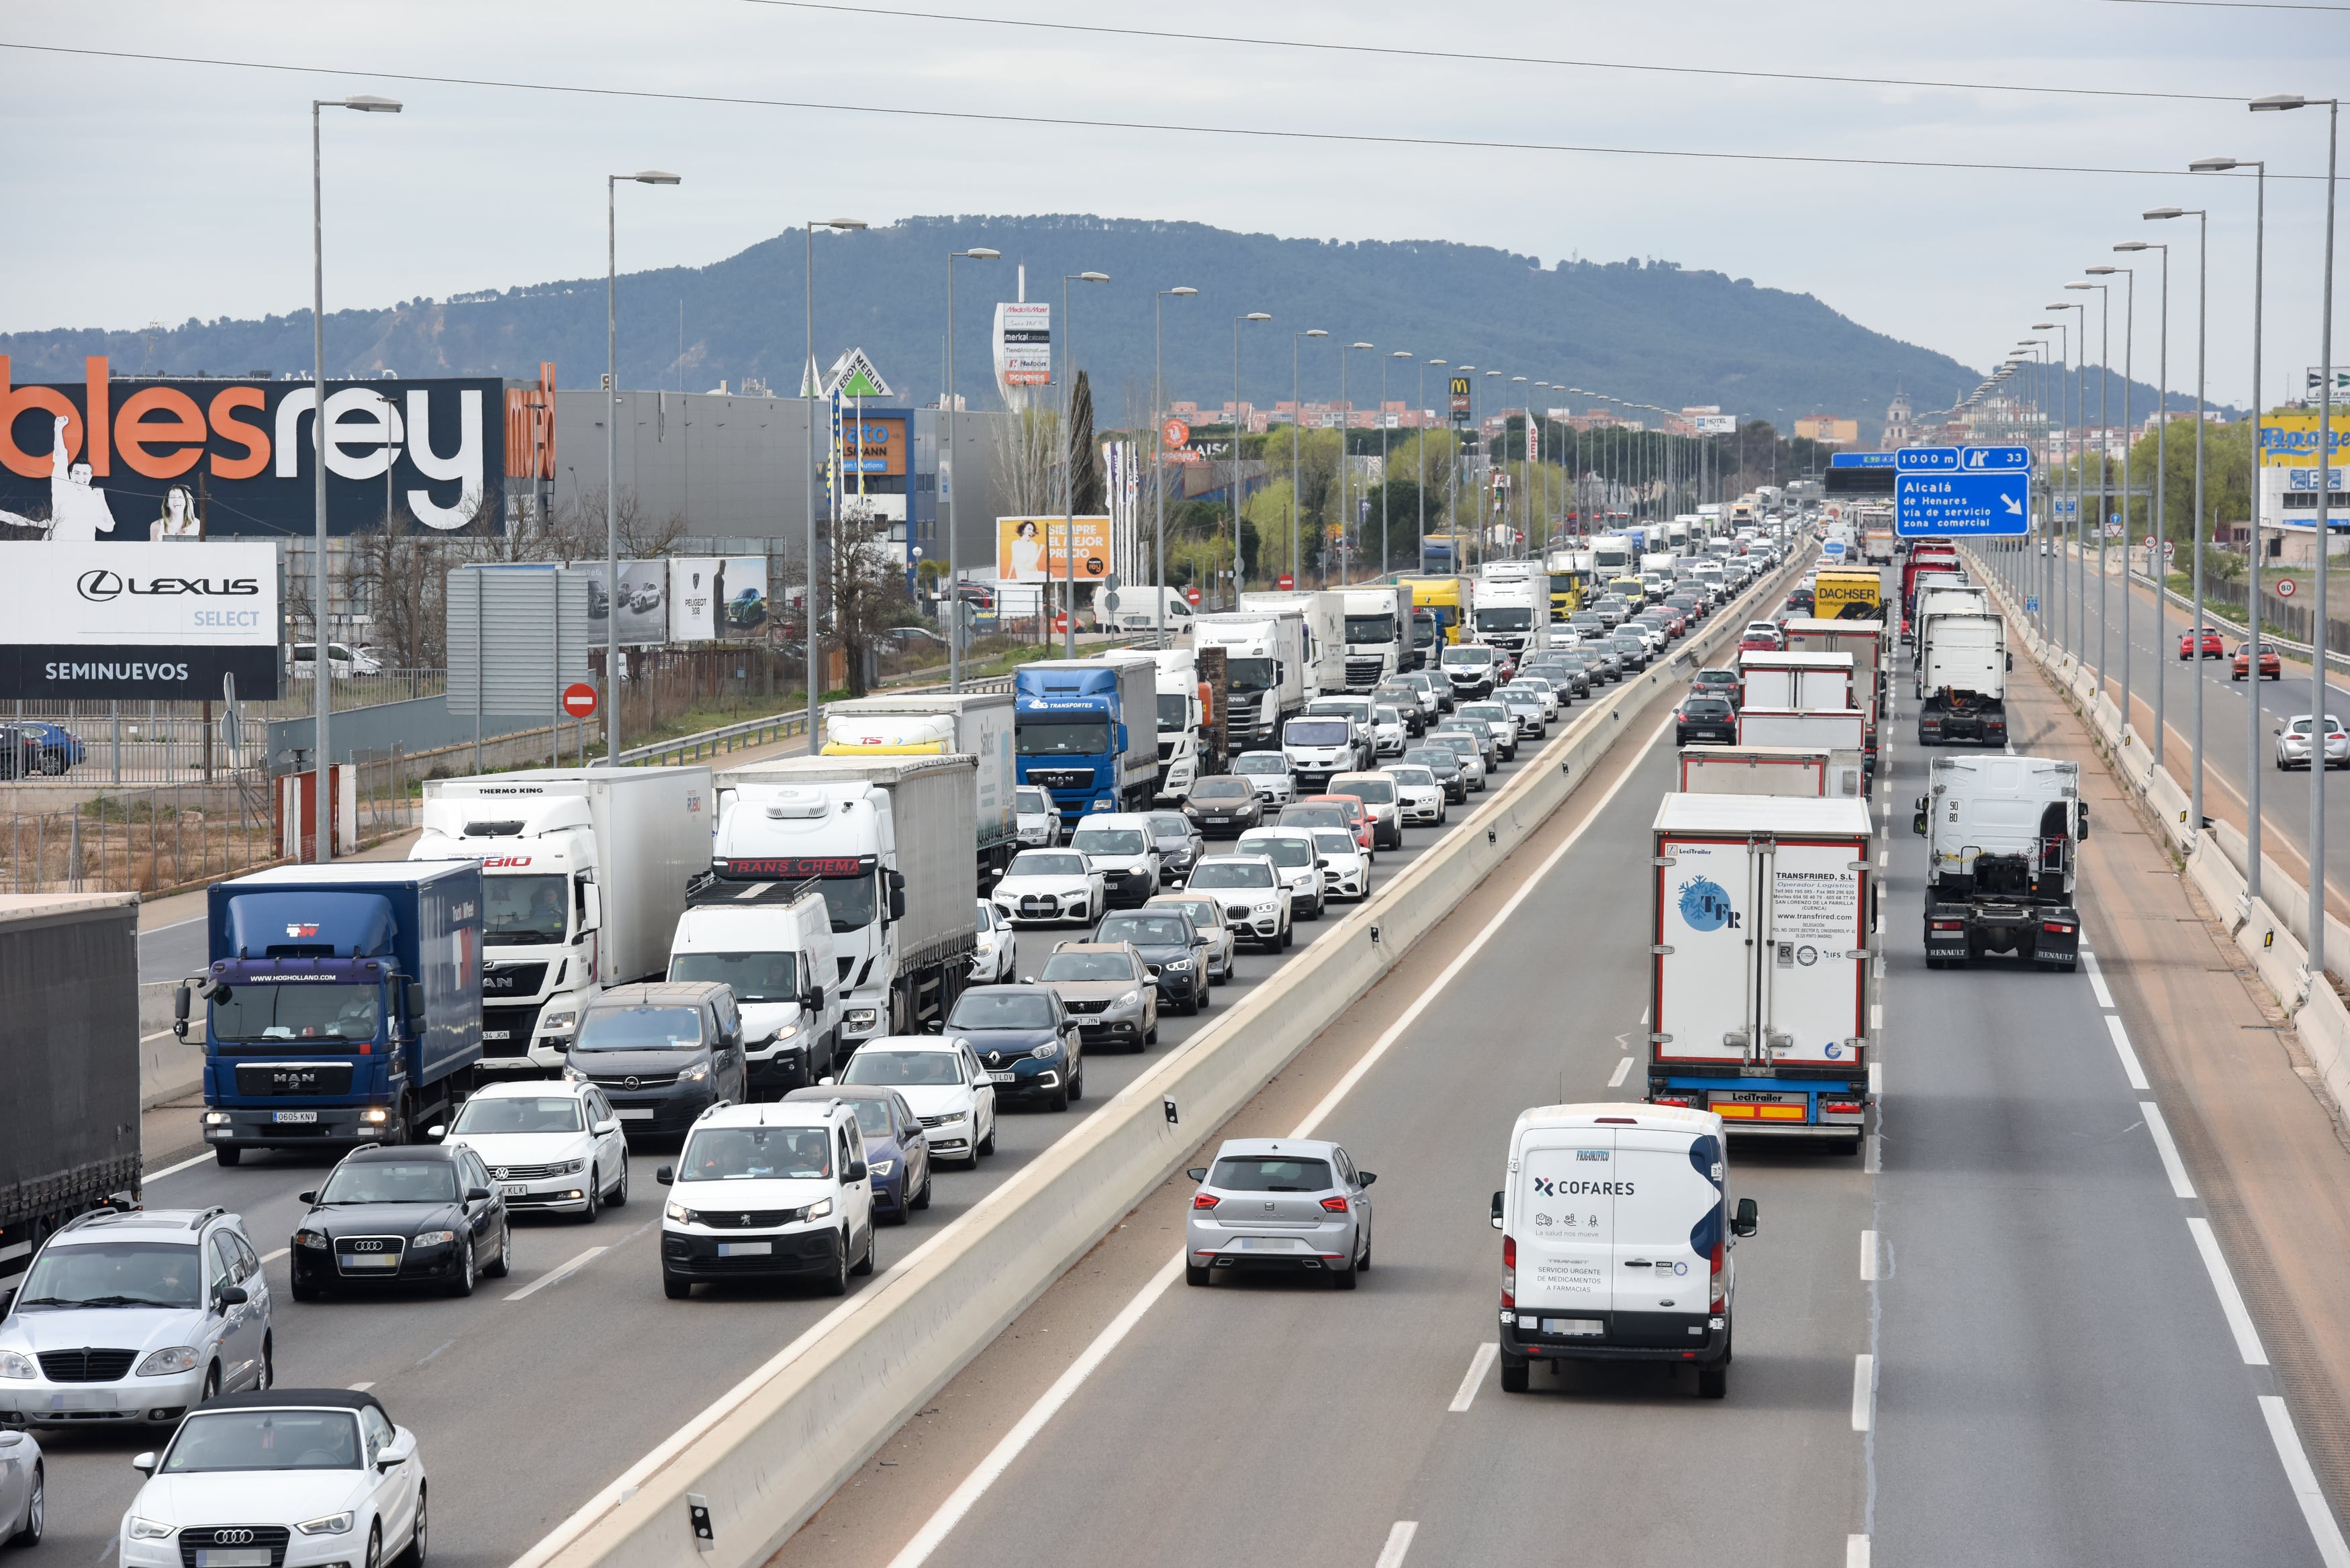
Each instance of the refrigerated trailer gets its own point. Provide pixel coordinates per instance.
(1760, 974)
(1802, 771)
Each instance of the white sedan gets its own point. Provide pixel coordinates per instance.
(942, 1081)
(551, 1145)
(1388, 733)
(1346, 868)
(997, 953)
(1419, 795)
(321, 1470)
(1048, 887)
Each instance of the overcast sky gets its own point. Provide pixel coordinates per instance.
(148, 191)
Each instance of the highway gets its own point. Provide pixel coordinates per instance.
(523, 1414)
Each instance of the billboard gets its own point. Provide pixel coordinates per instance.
(1036, 549)
(644, 602)
(1024, 345)
(2288, 438)
(99, 460)
(872, 444)
(1721, 424)
(1459, 399)
(162, 620)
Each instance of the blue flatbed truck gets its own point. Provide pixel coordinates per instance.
(343, 1002)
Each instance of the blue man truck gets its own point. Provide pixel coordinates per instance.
(343, 1003)
(1087, 730)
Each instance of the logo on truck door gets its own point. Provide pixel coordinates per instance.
(1705, 907)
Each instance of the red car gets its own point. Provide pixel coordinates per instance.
(2272, 667)
(1758, 641)
(2212, 647)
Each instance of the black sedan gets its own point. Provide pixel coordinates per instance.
(402, 1216)
(1229, 805)
(1445, 763)
(1025, 1040)
(1701, 719)
(1173, 948)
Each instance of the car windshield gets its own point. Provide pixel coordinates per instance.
(1171, 824)
(1376, 791)
(1492, 712)
(755, 977)
(1285, 852)
(1085, 965)
(1145, 931)
(1270, 1173)
(1439, 763)
(897, 1068)
(1466, 654)
(1201, 910)
(129, 1273)
(1314, 817)
(1034, 801)
(1370, 628)
(1260, 762)
(1108, 841)
(757, 1154)
(1223, 789)
(1316, 732)
(1706, 707)
(1034, 865)
(247, 1011)
(392, 1181)
(1045, 735)
(640, 1029)
(1001, 1009)
(489, 1113)
(1174, 710)
(1415, 777)
(1508, 617)
(1247, 677)
(1456, 742)
(1232, 874)
(1387, 715)
(265, 1440)
(522, 911)
(1329, 841)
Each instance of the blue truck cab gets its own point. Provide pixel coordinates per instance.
(343, 1002)
(1087, 731)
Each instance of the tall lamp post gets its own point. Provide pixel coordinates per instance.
(2323, 533)
(947, 414)
(2050, 621)
(2158, 567)
(1159, 469)
(322, 662)
(2104, 459)
(1497, 462)
(1296, 419)
(1346, 518)
(2195, 530)
(2080, 481)
(2130, 362)
(1526, 441)
(612, 449)
(1070, 456)
(812, 389)
(1419, 553)
(2073, 632)
(1237, 320)
(1398, 354)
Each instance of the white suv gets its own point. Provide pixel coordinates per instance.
(765, 1191)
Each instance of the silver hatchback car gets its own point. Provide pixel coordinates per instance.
(1293, 1204)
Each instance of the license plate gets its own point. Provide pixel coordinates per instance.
(368, 1260)
(644, 1116)
(513, 1189)
(497, 1033)
(232, 1557)
(1000, 1078)
(745, 1248)
(1574, 1326)
(302, 1116)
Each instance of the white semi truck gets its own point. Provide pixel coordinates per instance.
(1509, 606)
(976, 725)
(1378, 634)
(584, 874)
(1265, 670)
(1962, 664)
(1324, 616)
(1182, 723)
(2002, 838)
(889, 844)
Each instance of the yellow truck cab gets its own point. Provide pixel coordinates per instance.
(1633, 590)
(1445, 597)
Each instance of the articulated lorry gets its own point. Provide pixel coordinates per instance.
(69, 1034)
(1087, 730)
(889, 842)
(1444, 595)
(583, 878)
(975, 724)
(2002, 838)
(1378, 634)
(1759, 972)
(1264, 671)
(343, 1002)
(1510, 606)
(1324, 618)
(1962, 674)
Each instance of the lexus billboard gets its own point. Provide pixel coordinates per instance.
(148, 620)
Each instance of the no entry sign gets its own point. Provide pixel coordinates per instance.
(579, 699)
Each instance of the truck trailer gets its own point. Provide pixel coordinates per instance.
(976, 725)
(1962, 674)
(1802, 771)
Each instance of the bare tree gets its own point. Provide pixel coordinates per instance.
(868, 590)
(1028, 462)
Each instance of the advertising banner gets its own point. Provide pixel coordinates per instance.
(696, 587)
(1720, 424)
(743, 599)
(106, 461)
(644, 602)
(1024, 344)
(872, 444)
(1035, 550)
(2288, 438)
(159, 620)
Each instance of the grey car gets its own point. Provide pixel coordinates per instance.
(1180, 842)
(1296, 1205)
(135, 1317)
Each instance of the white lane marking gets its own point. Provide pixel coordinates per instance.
(2172, 1165)
(974, 1486)
(1864, 1391)
(2136, 1074)
(1877, 1079)
(175, 1169)
(1856, 1552)
(1479, 1364)
(1882, 855)
(1398, 1543)
(362, 1388)
(558, 1275)
(1623, 1071)
(1875, 1162)
(1868, 1254)
(2330, 1548)
(2231, 1300)
(1877, 1018)
(272, 1257)
(2097, 979)
(175, 925)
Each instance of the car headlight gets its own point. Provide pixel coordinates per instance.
(681, 1214)
(1181, 966)
(553, 1022)
(12, 1365)
(863, 1017)
(1264, 906)
(881, 1167)
(178, 1359)
(696, 1073)
(433, 1238)
(149, 1529)
(953, 1119)
(571, 1168)
(818, 1209)
(332, 1524)
(1047, 1051)
(1131, 998)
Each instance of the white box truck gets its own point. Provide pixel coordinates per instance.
(1324, 618)
(1826, 728)
(976, 725)
(1265, 670)
(1812, 771)
(1768, 679)
(1759, 972)
(772, 941)
(1962, 680)
(583, 874)
(889, 844)
(1378, 634)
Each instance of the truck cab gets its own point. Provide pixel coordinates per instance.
(1378, 622)
(2002, 837)
(1087, 730)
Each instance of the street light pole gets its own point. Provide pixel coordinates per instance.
(2129, 361)
(1398, 354)
(1346, 518)
(2195, 530)
(611, 453)
(1296, 419)
(1252, 316)
(947, 414)
(322, 656)
(814, 387)
(1419, 446)
(1158, 469)
(1068, 462)
(2063, 400)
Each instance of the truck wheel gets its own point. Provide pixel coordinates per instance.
(227, 1154)
(1514, 1369)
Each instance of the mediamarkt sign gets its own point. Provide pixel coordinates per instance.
(146, 620)
(100, 461)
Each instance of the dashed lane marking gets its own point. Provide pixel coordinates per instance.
(1479, 1364)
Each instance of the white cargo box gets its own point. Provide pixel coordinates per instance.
(1813, 770)
(1829, 728)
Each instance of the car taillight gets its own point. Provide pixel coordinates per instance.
(1509, 1270)
(1204, 1201)
(1333, 1205)
(1717, 1285)
(1681, 1100)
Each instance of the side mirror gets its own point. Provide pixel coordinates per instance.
(665, 1175)
(858, 1171)
(1497, 1211)
(412, 997)
(814, 1000)
(398, 1452)
(1027, 980)
(229, 1296)
(179, 1011)
(477, 1195)
(935, 1026)
(1918, 824)
(827, 1080)
(897, 894)
(591, 914)
(606, 1127)
(436, 1132)
(2084, 822)
(1198, 1173)
(1745, 1221)
(145, 1463)
(1367, 1177)
(306, 1198)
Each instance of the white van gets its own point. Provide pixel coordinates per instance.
(1616, 1236)
(772, 941)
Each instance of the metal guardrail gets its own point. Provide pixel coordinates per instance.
(767, 730)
